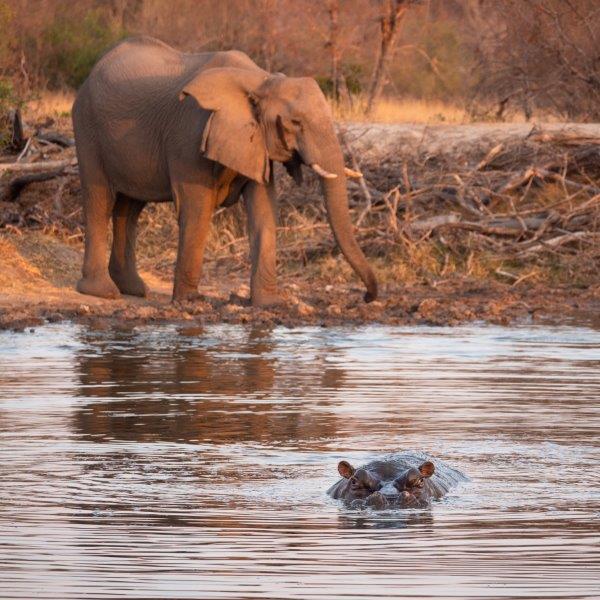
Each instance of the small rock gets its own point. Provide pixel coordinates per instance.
(243, 291)
(54, 317)
(83, 309)
(428, 308)
(334, 310)
(304, 310)
(145, 312)
(232, 308)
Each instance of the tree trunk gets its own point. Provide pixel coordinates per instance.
(338, 81)
(392, 15)
(17, 139)
(270, 35)
(333, 8)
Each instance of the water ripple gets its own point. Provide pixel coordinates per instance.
(155, 464)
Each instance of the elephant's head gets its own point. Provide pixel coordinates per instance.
(257, 117)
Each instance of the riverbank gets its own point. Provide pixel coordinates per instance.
(492, 222)
(39, 275)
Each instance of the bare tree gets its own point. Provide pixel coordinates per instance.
(538, 55)
(338, 81)
(392, 13)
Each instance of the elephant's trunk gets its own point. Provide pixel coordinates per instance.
(336, 203)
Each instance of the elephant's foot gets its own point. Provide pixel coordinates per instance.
(101, 286)
(130, 284)
(185, 293)
(261, 299)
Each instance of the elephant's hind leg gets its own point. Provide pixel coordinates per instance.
(122, 265)
(98, 202)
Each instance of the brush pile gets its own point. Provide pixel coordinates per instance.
(531, 200)
(509, 202)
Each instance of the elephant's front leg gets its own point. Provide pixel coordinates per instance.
(262, 229)
(196, 205)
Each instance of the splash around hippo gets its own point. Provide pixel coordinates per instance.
(408, 480)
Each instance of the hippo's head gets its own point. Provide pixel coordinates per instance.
(383, 485)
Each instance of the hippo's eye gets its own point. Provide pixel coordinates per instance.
(354, 482)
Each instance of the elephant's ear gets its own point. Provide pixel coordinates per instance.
(232, 136)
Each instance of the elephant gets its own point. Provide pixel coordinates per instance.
(153, 124)
(405, 480)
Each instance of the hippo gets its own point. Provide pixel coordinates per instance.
(406, 480)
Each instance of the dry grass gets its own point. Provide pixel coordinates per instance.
(54, 104)
(431, 112)
(390, 110)
(57, 104)
(397, 110)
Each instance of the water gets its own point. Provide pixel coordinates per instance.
(169, 463)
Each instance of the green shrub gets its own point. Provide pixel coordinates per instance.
(353, 74)
(74, 45)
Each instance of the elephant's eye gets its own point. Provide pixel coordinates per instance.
(297, 123)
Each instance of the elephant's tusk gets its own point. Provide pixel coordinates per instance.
(322, 172)
(352, 173)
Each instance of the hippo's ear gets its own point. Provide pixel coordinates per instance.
(345, 469)
(427, 469)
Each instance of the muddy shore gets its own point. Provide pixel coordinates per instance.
(30, 298)
(429, 274)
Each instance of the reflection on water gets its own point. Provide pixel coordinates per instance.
(170, 463)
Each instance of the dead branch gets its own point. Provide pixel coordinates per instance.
(54, 137)
(49, 165)
(558, 241)
(12, 191)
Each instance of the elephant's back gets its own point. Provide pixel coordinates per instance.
(136, 66)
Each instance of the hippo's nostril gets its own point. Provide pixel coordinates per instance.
(389, 489)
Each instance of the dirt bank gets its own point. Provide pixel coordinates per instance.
(39, 274)
(460, 222)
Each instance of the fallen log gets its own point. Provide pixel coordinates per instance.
(54, 137)
(507, 227)
(11, 191)
(433, 223)
(565, 138)
(49, 165)
(558, 241)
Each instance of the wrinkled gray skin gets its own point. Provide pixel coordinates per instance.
(397, 481)
(153, 125)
